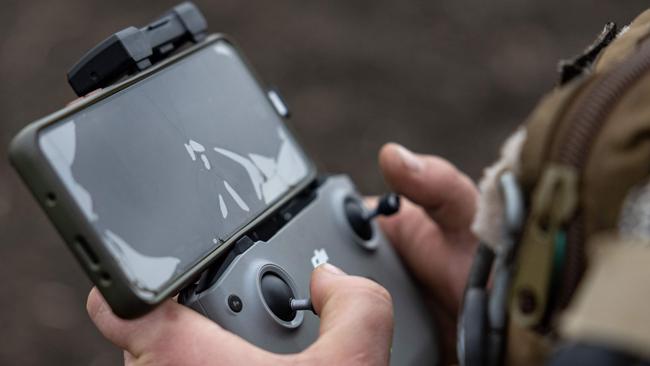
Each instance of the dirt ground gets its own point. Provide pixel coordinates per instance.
(446, 77)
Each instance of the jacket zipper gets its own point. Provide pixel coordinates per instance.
(586, 121)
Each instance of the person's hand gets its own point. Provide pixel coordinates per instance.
(431, 232)
(356, 328)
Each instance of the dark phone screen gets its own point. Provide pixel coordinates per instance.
(169, 168)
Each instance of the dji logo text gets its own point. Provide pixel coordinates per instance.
(320, 257)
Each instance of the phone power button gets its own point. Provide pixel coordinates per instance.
(278, 103)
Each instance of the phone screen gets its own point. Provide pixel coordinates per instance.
(171, 167)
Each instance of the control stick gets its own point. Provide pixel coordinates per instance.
(360, 218)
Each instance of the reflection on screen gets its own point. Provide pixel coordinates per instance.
(170, 168)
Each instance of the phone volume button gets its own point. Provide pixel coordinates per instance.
(88, 256)
(278, 103)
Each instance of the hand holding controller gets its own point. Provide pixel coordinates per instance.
(431, 233)
(356, 326)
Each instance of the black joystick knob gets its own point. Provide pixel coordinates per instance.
(277, 295)
(360, 218)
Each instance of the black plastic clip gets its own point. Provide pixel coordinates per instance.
(131, 50)
(570, 69)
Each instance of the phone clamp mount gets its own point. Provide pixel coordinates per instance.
(135, 49)
(260, 288)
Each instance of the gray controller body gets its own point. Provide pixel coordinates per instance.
(319, 232)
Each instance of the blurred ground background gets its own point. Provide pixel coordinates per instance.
(449, 77)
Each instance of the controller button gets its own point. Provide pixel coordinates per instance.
(234, 303)
(277, 295)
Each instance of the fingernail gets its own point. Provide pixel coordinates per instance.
(331, 269)
(412, 162)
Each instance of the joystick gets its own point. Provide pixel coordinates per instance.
(302, 304)
(280, 298)
(278, 295)
(360, 218)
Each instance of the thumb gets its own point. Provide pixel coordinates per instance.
(356, 318)
(447, 195)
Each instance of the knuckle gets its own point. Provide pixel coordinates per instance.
(379, 291)
(445, 171)
(373, 293)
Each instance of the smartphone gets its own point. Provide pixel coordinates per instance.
(148, 181)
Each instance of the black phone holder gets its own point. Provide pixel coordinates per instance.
(132, 50)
